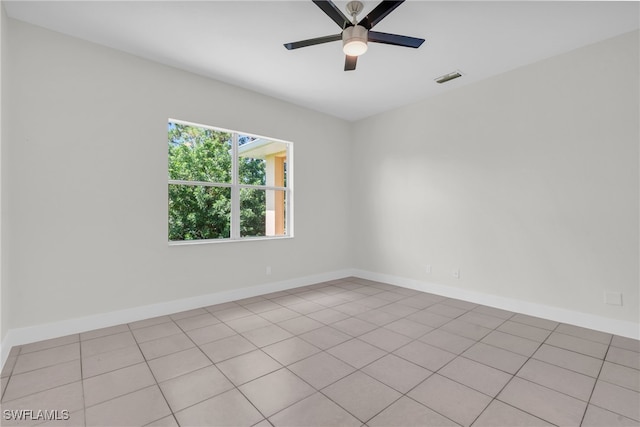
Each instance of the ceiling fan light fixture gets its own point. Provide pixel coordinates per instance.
(354, 40)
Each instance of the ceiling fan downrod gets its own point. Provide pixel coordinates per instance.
(354, 8)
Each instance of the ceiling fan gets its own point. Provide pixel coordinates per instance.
(355, 35)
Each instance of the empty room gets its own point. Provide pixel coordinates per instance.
(319, 213)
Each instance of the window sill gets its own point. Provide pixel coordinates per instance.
(218, 241)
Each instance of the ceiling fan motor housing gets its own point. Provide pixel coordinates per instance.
(354, 40)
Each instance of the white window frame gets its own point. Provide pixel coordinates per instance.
(236, 186)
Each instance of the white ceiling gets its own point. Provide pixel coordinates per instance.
(241, 42)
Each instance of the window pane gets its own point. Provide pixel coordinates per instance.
(262, 212)
(198, 212)
(199, 154)
(262, 161)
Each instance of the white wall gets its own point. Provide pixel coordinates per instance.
(4, 291)
(528, 182)
(88, 172)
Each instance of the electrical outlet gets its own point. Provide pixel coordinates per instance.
(427, 269)
(613, 298)
(268, 271)
(456, 273)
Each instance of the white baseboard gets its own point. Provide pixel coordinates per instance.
(31, 334)
(557, 314)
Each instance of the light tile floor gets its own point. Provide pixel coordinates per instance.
(349, 352)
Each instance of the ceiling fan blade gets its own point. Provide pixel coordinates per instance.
(379, 13)
(333, 12)
(311, 42)
(394, 39)
(350, 63)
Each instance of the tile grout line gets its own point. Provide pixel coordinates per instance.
(406, 394)
(8, 377)
(173, 414)
(504, 320)
(514, 375)
(316, 390)
(619, 385)
(84, 402)
(146, 362)
(315, 354)
(595, 383)
(45, 366)
(221, 372)
(417, 339)
(339, 379)
(353, 415)
(399, 356)
(115, 369)
(588, 402)
(450, 361)
(46, 389)
(157, 384)
(542, 342)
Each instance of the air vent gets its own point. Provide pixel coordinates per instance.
(449, 77)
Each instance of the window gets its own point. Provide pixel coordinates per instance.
(226, 185)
